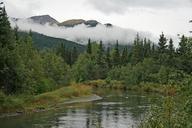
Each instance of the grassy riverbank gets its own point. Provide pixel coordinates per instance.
(142, 87)
(27, 104)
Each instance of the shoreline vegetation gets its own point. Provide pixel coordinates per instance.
(21, 104)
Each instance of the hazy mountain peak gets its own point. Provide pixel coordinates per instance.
(72, 22)
(43, 19)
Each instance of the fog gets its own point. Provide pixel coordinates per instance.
(81, 33)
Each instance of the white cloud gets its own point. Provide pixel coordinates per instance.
(81, 33)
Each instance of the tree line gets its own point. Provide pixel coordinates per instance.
(25, 69)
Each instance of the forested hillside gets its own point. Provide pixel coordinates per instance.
(42, 41)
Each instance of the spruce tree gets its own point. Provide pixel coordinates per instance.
(108, 58)
(171, 48)
(7, 38)
(116, 55)
(74, 55)
(89, 47)
(8, 56)
(162, 50)
(162, 44)
(100, 60)
(16, 33)
(124, 57)
(182, 46)
(137, 51)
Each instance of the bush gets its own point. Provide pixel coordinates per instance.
(2, 98)
(44, 85)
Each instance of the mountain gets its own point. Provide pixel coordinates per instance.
(47, 19)
(42, 41)
(43, 19)
(74, 22)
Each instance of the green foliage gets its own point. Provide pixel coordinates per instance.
(85, 68)
(116, 55)
(137, 51)
(55, 68)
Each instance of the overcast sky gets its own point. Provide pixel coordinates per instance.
(155, 16)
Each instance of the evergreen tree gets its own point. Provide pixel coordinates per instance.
(116, 55)
(182, 46)
(124, 57)
(146, 48)
(137, 51)
(162, 49)
(108, 58)
(7, 38)
(162, 44)
(100, 53)
(74, 55)
(16, 33)
(171, 48)
(100, 61)
(89, 47)
(61, 51)
(30, 33)
(171, 52)
(8, 56)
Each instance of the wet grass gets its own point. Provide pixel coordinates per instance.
(26, 104)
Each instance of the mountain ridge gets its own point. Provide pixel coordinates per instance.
(47, 19)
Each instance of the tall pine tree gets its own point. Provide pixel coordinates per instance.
(116, 55)
(124, 57)
(162, 44)
(89, 47)
(8, 57)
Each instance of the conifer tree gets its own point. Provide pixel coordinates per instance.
(124, 57)
(137, 51)
(89, 47)
(162, 44)
(182, 46)
(74, 55)
(116, 55)
(16, 33)
(100, 60)
(171, 48)
(108, 58)
(8, 57)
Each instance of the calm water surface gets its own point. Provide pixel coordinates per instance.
(117, 109)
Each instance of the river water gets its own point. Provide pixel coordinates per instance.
(117, 109)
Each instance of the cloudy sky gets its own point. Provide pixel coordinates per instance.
(155, 16)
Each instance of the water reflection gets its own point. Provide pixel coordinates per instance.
(115, 110)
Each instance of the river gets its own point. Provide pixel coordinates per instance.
(117, 109)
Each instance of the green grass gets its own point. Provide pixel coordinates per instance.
(24, 103)
(142, 87)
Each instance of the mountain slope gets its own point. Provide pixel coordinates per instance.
(74, 22)
(42, 41)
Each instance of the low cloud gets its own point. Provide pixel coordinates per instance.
(81, 33)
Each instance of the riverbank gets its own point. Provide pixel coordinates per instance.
(15, 105)
(143, 87)
(50, 100)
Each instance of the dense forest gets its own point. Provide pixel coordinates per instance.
(27, 70)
